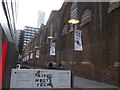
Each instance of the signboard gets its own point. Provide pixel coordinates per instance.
(52, 48)
(39, 78)
(37, 53)
(77, 40)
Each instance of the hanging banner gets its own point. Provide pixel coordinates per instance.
(31, 55)
(23, 59)
(37, 53)
(27, 57)
(77, 40)
(52, 48)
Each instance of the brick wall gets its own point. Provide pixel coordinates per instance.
(99, 38)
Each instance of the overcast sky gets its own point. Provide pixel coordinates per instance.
(28, 11)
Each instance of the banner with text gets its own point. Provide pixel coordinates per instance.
(37, 54)
(77, 40)
(52, 48)
(31, 55)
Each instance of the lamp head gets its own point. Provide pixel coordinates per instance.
(73, 21)
(49, 37)
(30, 51)
(36, 47)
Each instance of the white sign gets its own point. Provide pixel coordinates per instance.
(23, 59)
(52, 48)
(31, 55)
(27, 57)
(77, 40)
(39, 78)
(37, 53)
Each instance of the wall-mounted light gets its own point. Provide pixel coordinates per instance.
(30, 51)
(73, 21)
(36, 47)
(50, 37)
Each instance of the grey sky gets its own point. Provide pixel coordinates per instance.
(28, 11)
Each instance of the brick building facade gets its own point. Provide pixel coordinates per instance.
(100, 24)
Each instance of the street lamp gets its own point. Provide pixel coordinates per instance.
(50, 37)
(36, 47)
(73, 22)
(30, 51)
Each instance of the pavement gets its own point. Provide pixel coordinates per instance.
(83, 84)
(47, 89)
(91, 84)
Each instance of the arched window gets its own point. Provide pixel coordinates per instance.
(113, 1)
(86, 17)
(52, 32)
(41, 39)
(55, 34)
(49, 33)
(113, 4)
(51, 29)
(73, 14)
(65, 29)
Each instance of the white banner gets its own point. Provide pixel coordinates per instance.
(31, 55)
(77, 40)
(37, 54)
(52, 48)
(23, 59)
(27, 57)
(39, 78)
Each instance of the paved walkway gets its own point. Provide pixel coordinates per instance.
(86, 83)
